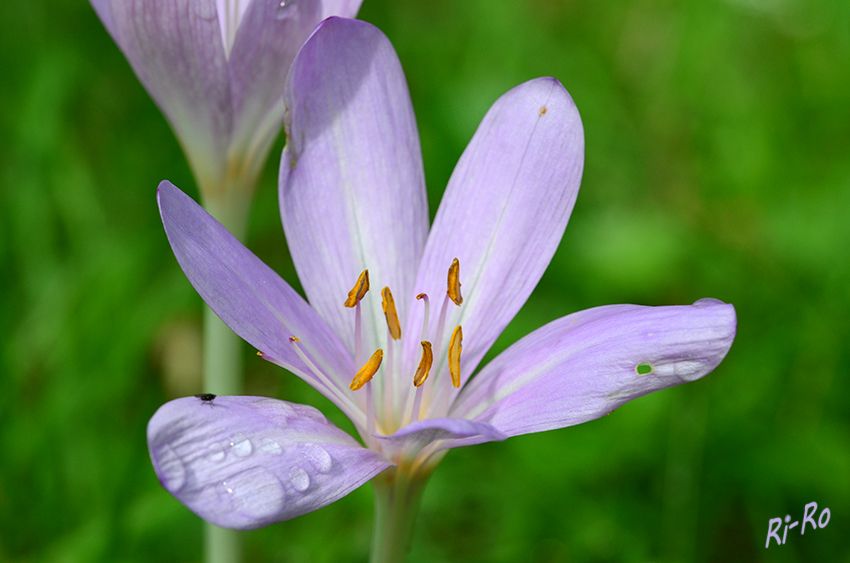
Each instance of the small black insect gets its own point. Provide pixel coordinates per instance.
(206, 398)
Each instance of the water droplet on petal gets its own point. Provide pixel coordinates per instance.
(286, 10)
(269, 446)
(255, 492)
(317, 456)
(299, 479)
(241, 445)
(276, 411)
(169, 469)
(216, 452)
(310, 412)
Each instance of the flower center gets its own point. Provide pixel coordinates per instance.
(394, 416)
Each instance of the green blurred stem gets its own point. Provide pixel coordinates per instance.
(397, 497)
(222, 545)
(223, 363)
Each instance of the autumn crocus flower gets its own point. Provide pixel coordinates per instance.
(216, 69)
(425, 305)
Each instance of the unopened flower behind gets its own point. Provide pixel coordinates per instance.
(216, 69)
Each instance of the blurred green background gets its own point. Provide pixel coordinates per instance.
(717, 166)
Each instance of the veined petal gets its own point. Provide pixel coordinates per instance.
(342, 8)
(247, 462)
(175, 49)
(444, 433)
(352, 190)
(248, 295)
(230, 14)
(269, 36)
(587, 364)
(504, 213)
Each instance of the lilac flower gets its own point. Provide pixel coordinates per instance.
(352, 198)
(216, 69)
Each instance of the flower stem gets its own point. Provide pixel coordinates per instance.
(221, 545)
(223, 368)
(397, 496)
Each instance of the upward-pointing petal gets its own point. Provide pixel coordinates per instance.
(352, 190)
(504, 212)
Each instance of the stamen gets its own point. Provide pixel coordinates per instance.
(389, 399)
(423, 296)
(453, 290)
(354, 296)
(358, 335)
(455, 347)
(368, 371)
(390, 313)
(424, 364)
(359, 290)
(364, 377)
(323, 379)
(441, 324)
(420, 377)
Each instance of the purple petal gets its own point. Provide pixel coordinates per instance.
(267, 40)
(587, 364)
(248, 295)
(503, 215)
(247, 462)
(342, 8)
(230, 13)
(448, 432)
(103, 9)
(176, 51)
(352, 189)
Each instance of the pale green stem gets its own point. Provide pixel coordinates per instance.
(397, 497)
(222, 545)
(223, 360)
(223, 364)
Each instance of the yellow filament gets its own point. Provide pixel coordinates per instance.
(391, 314)
(424, 364)
(359, 290)
(455, 346)
(368, 371)
(454, 283)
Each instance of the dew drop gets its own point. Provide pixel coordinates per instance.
(317, 456)
(216, 452)
(286, 9)
(312, 413)
(241, 445)
(169, 469)
(269, 446)
(276, 411)
(299, 479)
(255, 492)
